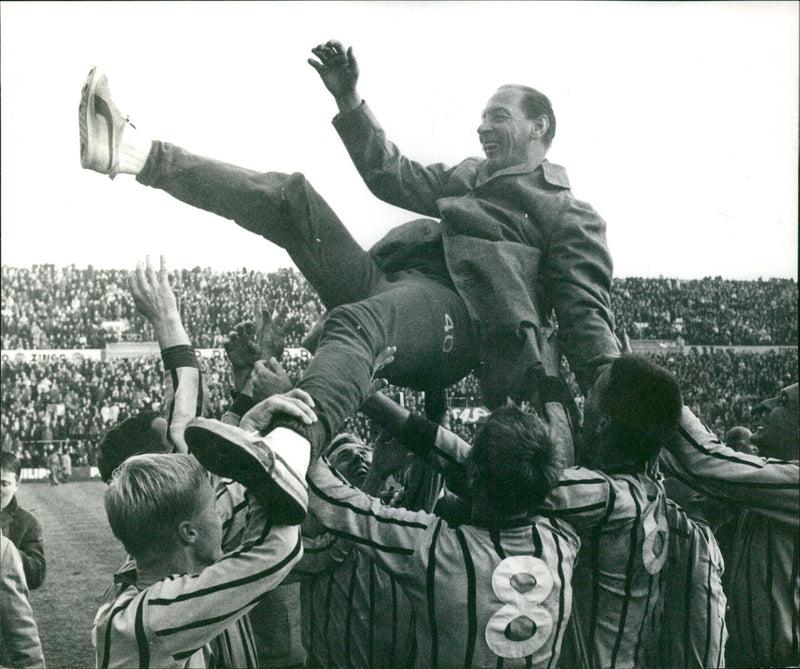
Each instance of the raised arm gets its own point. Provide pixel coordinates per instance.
(417, 433)
(387, 173)
(339, 71)
(155, 300)
(766, 486)
(253, 349)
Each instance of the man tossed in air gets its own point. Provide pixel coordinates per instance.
(475, 290)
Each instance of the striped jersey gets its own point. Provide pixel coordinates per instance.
(276, 632)
(692, 634)
(480, 598)
(355, 614)
(622, 523)
(191, 620)
(765, 595)
(621, 520)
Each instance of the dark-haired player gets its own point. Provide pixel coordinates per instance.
(615, 501)
(21, 526)
(495, 590)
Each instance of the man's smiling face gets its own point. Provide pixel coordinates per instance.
(505, 132)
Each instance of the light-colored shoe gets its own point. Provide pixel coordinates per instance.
(100, 124)
(266, 466)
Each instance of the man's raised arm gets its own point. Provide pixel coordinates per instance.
(766, 486)
(387, 173)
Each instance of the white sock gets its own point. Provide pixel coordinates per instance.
(133, 150)
(294, 449)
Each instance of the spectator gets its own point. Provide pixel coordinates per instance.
(64, 463)
(19, 636)
(70, 305)
(19, 525)
(54, 464)
(738, 438)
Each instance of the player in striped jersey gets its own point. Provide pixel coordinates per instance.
(618, 505)
(765, 598)
(276, 620)
(692, 633)
(493, 592)
(355, 614)
(187, 593)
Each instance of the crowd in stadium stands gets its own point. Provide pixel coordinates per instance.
(72, 401)
(710, 311)
(47, 401)
(49, 307)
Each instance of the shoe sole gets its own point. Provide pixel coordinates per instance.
(223, 450)
(85, 109)
(86, 116)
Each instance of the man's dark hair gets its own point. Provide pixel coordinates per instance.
(516, 461)
(644, 403)
(132, 436)
(536, 104)
(10, 463)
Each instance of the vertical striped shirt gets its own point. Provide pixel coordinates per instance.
(355, 614)
(480, 598)
(622, 523)
(692, 634)
(765, 595)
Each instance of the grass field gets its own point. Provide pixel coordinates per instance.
(82, 556)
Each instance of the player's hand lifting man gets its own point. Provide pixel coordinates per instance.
(253, 349)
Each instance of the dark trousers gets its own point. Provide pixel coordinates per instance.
(369, 310)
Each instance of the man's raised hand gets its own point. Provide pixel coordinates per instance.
(338, 70)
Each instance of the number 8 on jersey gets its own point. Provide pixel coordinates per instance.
(522, 626)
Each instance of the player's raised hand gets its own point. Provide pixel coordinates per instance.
(268, 336)
(339, 71)
(152, 294)
(156, 301)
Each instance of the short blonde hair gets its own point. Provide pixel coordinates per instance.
(148, 497)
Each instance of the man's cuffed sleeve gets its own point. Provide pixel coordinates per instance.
(578, 271)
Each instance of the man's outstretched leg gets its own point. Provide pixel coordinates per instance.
(283, 208)
(426, 320)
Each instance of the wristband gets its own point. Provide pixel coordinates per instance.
(182, 355)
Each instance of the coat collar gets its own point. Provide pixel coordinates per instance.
(553, 174)
(12, 506)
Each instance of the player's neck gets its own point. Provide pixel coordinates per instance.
(483, 515)
(167, 564)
